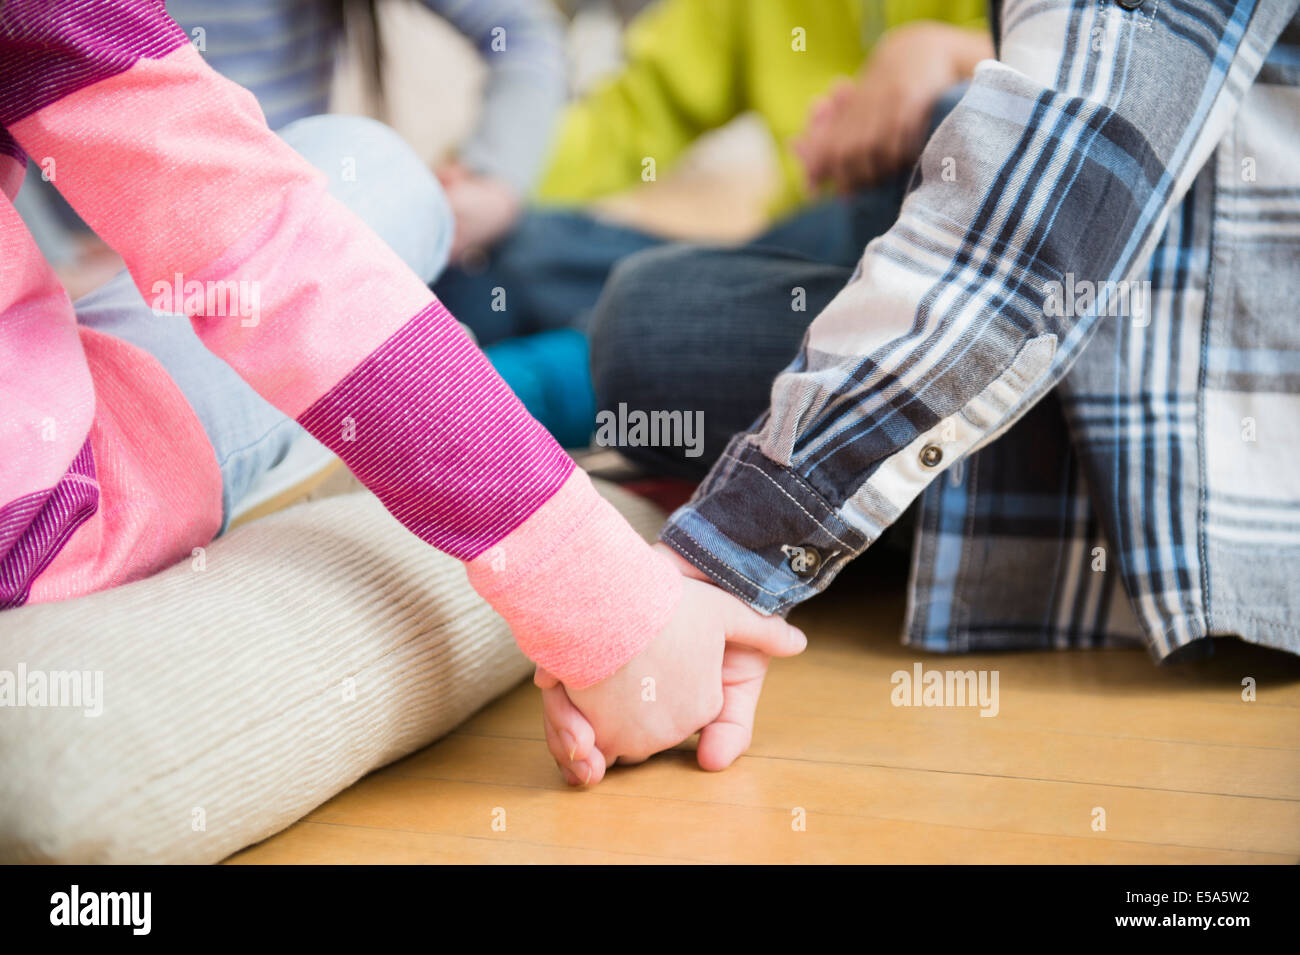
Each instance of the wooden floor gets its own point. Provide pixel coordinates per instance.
(1184, 769)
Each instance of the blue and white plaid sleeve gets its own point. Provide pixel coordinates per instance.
(1060, 165)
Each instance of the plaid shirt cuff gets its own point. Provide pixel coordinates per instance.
(773, 538)
(762, 532)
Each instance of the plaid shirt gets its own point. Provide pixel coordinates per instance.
(1074, 434)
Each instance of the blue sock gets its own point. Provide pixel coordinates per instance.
(551, 375)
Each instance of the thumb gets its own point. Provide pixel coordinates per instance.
(725, 740)
(772, 635)
(544, 679)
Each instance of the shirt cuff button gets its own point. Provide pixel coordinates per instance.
(932, 455)
(803, 560)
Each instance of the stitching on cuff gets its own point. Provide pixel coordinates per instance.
(711, 556)
(796, 503)
(721, 578)
(708, 554)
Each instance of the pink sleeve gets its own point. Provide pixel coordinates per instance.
(590, 591)
(216, 217)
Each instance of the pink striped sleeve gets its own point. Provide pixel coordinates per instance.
(175, 168)
(451, 451)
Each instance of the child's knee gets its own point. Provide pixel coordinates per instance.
(374, 172)
(628, 321)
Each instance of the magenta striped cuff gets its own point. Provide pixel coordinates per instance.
(428, 425)
(34, 528)
(56, 47)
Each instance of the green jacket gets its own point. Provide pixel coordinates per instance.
(694, 65)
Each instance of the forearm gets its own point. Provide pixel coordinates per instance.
(217, 218)
(1052, 167)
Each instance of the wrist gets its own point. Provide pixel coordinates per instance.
(684, 566)
(581, 591)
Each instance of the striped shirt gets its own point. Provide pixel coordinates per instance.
(1077, 347)
(284, 52)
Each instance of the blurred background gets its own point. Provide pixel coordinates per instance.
(717, 191)
(433, 83)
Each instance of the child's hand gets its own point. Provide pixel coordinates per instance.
(485, 208)
(704, 669)
(865, 131)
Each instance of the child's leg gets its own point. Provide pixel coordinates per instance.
(546, 274)
(228, 700)
(377, 175)
(702, 331)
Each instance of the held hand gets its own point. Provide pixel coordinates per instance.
(867, 130)
(704, 669)
(484, 208)
(744, 668)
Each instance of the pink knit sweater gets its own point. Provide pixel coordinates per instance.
(106, 475)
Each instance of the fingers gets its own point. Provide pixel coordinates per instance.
(578, 772)
(592, 769)
(812, 148)
(818, 145)
(570, 738)
(559, 753)
(821, 110)
(841, 93)
(772, 635)
(865, 158)
(571, 727)
(813, 156)
(724, 740)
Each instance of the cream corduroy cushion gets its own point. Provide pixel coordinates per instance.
(313, 646)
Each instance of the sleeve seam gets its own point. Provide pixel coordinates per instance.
(829, 533)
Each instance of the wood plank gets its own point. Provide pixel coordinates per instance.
(643, 825)
(1184, 768)
(1027, 806)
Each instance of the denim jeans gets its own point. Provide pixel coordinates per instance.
(553, 266)
(388, 186)
(706, 329)
(703, 330)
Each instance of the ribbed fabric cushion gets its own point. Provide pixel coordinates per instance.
(226, 689)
